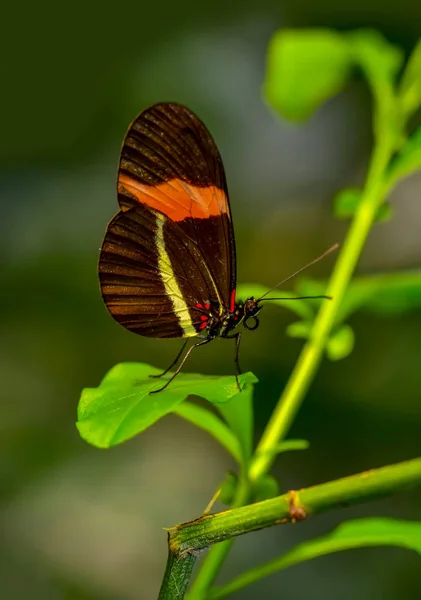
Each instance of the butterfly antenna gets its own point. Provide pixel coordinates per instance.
(313, 262)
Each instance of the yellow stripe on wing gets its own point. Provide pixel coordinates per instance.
(170, 282)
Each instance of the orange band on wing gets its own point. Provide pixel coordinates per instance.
(176, 199)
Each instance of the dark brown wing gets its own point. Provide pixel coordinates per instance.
(172, 244)
(170, 162)
(152, 275)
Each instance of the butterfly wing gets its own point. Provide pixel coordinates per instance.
(171, 246)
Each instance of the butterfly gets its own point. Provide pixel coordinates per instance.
(167, 265)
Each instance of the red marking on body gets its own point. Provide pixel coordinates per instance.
(175, 198)
(203, 318)
(203, 325)
(232, 301)
(207, 306)
(198, 305)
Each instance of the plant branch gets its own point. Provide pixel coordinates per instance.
(177, 574)
(186, 540)
(295, 506)
(217, 554)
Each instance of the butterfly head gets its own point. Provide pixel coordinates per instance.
(251, 309)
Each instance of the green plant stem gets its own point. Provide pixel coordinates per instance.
(177, 575)
(189, 538)
(217, 554)
(311, 355)
(373, 195)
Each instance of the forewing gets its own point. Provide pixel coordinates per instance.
(170, 163)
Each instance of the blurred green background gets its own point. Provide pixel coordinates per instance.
(83, 524)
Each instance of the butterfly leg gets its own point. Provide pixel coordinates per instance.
(174, 362)
(176, 372)
(237, 338)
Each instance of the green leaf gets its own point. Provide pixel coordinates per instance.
(288, 445)
(384, 212)
(265, 487)
(341, 343)
(380, 62)
(348, 200)
(302, 308)
(285, 446)
(410, 85)
(299, 329)
(359, 533)
(407, 161)
(304, 69)
(346, 203)
(390, 294)
(375, 54)
(238, 413)
(208, 421)
(121, 406)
